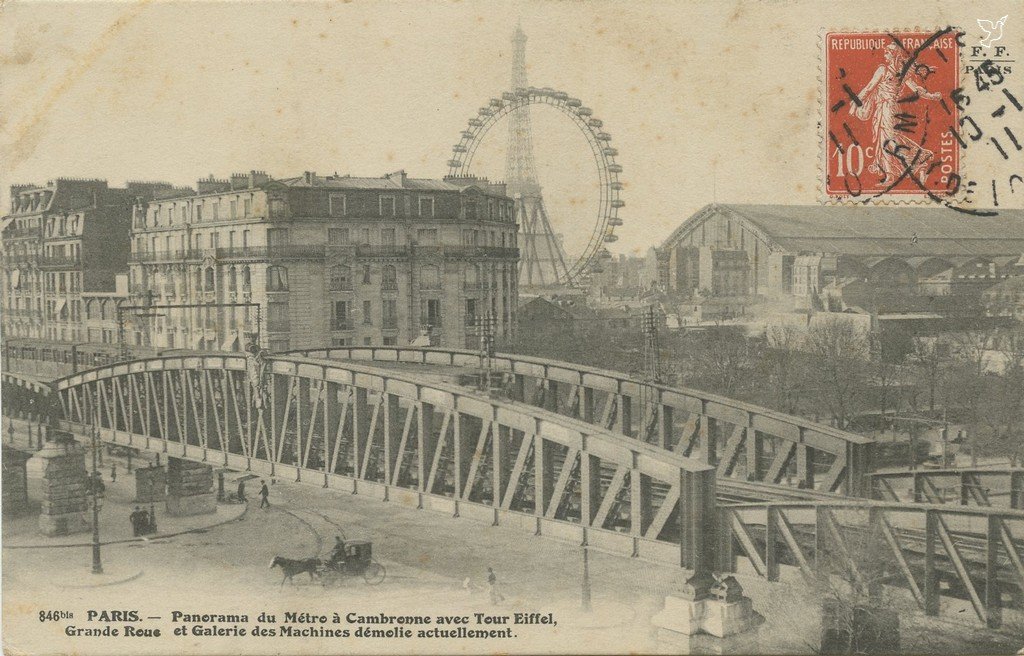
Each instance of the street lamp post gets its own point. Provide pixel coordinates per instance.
(585, 591)
(97, 563)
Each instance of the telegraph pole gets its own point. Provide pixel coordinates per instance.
(485, 325)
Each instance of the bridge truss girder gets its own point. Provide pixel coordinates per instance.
(410, 440)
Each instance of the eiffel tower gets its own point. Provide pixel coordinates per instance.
(542, 260)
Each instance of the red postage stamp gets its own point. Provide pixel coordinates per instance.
(890, 126)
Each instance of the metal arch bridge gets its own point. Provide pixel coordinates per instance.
(574, 453)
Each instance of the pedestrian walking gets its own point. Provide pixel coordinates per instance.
(113, 472)
(241, 492)
(492, 582)
(264, 493)
(144, 523)
(136, 525)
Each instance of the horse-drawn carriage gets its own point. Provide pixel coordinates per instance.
(358, 561)
(355, 559)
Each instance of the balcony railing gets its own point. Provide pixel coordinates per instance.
(341, 324)
(389, 286)
(340, 286)
(389, 323)
(159, 256)
(320, 251)
(58, 260)
(367, 250)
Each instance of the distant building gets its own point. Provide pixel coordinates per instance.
(1006, 299)
(883, 259)
(61, 242)
(542, 318)
(330, 260)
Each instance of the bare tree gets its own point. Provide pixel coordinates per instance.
(782, 363)
(723, 361)
(966, 384)
(928, 362)
(1001, 413)
(841, 352)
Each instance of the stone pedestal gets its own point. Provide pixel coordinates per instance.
(722, 613)
(189, 488)
(15, 481)
(150, 484)
(65, 481)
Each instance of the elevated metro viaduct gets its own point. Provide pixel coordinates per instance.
(572, 452)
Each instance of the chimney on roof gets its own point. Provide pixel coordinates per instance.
(397, 176)
(309, 177)
(256, 178)
(239, 181)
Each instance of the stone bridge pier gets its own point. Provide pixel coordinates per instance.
(15, 481)
(189, 488)
(65, 484)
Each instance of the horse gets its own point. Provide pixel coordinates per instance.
(292, 567)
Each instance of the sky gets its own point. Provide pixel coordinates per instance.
(713, 101)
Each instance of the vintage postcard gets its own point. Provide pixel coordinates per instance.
(522, 327)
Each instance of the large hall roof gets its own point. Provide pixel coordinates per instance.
(875, 230)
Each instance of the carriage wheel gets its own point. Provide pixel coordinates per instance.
(374, 573)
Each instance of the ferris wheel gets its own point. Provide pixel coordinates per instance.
(534, 224)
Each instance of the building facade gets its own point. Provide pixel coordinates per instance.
(61, 242)
(327, 260)
(883, 259)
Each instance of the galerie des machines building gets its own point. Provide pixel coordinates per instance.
(330, 260)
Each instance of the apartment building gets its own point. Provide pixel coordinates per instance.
(324, 260)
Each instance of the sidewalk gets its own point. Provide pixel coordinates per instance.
(22, 531)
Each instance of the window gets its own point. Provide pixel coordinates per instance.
(341, 317)
(184, 213)
(430, 313)
(245, 279)
(341, 341)
(472, 277)
(389, 314)
(209, 278)
(387, 236)
(247, 207)
(367, 341)
(366, 274)
(429, 277)
(277, 317)
(469, 237)
(214, 241)
(387, 205)
(471, 208)
(336, 205)
(367, 313)
(277, 279)
(216, 210)
(426, 206)
(234, 209)
(277, 207)
(341, 278)
(277, 345)
(389, 277)
(470, 311)
(232, 279)
(337, 236)
(199, 211)
(364, 236)
(277, 237)
(170, 215)
(427, 236)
